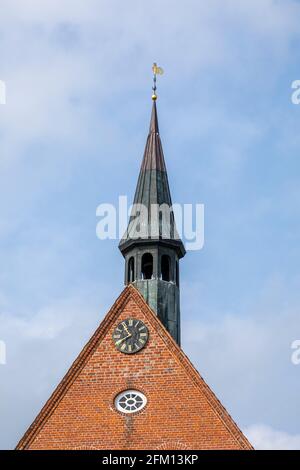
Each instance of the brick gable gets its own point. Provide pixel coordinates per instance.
(181, 413)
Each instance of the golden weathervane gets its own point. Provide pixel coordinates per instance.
(156, 71)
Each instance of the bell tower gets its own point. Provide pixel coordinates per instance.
(151, 245)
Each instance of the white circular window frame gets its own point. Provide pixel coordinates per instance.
(123, 395)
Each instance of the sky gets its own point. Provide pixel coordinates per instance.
(72, 135)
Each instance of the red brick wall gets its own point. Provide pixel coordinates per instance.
(177, 414)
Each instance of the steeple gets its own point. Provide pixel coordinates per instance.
(152, 200)
(151, 245)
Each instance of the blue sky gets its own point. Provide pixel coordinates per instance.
(72, 135)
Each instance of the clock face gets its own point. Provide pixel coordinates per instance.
(130, 336)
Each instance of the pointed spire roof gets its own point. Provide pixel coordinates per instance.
(154, 120)
(153, 155)
(153, 189)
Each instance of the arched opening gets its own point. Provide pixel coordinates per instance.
(165, 268)
(130, 273)
(147, 266)
(177, 273)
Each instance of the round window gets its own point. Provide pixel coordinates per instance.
(130, 401)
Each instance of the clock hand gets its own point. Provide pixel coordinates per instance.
(122, 339)
(125, 328)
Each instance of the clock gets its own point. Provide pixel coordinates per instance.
(130, 336)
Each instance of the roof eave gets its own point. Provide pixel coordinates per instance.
(126, 245)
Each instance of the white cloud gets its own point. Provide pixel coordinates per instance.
(245, 356)
(39, 349)
(264, 437)
(62, 63)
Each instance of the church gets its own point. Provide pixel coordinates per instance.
(132, 386)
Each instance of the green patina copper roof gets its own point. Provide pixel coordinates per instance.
(152, 191)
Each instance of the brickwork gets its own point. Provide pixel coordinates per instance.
(181, 411)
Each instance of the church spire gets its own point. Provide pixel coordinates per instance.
(153, 193)
(151, 245)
